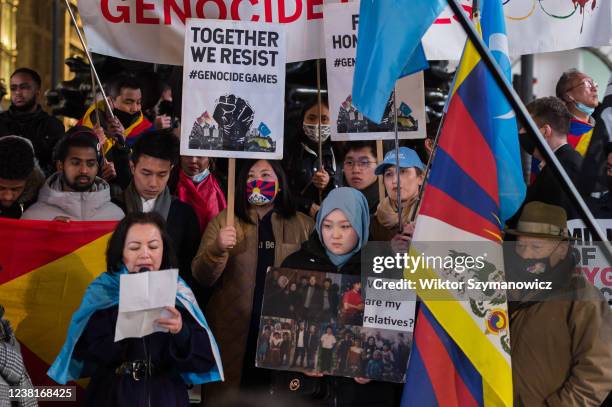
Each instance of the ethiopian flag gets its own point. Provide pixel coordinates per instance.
(45, 267)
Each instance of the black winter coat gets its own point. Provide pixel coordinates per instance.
(302, 163)
(41, 129)
(187, 351)
(341, 391)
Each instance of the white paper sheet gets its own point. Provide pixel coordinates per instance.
(142, 298)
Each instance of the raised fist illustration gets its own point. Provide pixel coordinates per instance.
(234, 116)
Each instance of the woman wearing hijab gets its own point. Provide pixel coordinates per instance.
(153, 370)
(342, 230)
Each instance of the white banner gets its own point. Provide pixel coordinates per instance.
(152, 30)
(592, 263)
(233, 89)
(348, 124)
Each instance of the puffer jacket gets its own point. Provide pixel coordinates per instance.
(92, 205)
(232, 276)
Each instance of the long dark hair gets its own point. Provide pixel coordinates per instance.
(114, 250)
(283, 203)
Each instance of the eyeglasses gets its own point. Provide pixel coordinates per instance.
(359, 164)
(587, 83)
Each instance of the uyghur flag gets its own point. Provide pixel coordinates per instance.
(461, 348)
(45, 268)
(389, 47)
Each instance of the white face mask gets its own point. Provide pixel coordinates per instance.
(201, 176)
(311, 131)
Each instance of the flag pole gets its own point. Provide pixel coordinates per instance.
(320, 143)
(524, 117)
(91, 64)
(397, 163)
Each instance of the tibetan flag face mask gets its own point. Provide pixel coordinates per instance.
(260, 192)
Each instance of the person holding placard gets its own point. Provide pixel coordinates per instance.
(385, 223)
(233, 260)
(306, 179)
(342, 230)
(358, 167)
(156, 369)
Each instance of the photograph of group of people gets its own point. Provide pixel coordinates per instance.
(313, 321)
(313, 296)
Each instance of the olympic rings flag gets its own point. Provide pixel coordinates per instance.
(153, 30)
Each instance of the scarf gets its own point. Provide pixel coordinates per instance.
(103, 293)
(386, 213)
(355, 208)
(133, 202)
(206, 198)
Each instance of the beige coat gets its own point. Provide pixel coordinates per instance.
(232, 274)
(562, 350)
(384, 224)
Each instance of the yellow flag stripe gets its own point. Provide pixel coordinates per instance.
(40, 304)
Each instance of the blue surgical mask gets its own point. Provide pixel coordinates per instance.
(201, 176)
(584, 108)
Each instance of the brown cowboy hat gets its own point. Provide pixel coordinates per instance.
(542, 220)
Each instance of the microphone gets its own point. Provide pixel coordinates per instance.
(143, 269)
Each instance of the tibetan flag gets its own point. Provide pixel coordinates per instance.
(389, 47)
(461, 348)
(580, 135)
(45, 268)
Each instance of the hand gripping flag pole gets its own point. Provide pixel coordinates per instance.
(91, 64)
(530, 126)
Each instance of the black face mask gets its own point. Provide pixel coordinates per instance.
(527, 143)
(126, 119)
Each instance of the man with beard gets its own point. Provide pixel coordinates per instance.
(120, 133)
(561, 335)
(26, 118)
(75, 192)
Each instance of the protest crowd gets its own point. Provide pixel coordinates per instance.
(296, 335)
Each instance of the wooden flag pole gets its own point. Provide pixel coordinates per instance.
(231, 189)
(319, 142)
(379, 158)
(398, 170)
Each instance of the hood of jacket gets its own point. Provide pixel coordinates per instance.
(79, 205)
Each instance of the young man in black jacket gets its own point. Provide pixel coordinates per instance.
(26, 118)
(153, 156)
(553, 120)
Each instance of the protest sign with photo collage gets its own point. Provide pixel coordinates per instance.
(313, 321)
(591, 261)
(233, 89)
(341, 23)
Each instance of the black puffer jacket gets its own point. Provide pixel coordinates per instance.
(40, 128)
(338, 391)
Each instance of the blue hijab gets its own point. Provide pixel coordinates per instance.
(355, 208)
(103, 293)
